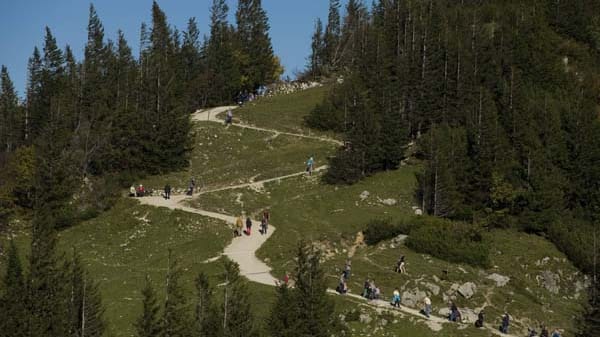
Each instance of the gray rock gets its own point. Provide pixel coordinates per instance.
(444, 312)
(467, 290)
(383, 322)
(413, 298)
(434, 288)
(389, 202)
(550, 281)
(364, 195)
(365, 318)
(418, 211)
(398, 240)
(500, 280)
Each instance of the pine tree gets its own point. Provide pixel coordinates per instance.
(332, 37)
(316, 314)
(236, 314)
(149, 323)
(13, 311)
(317, 61)
(86, 309)
(282, 319)
(224, 70)
(10, 114)
(176, 322)
(208, 322)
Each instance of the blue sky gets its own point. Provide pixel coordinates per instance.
(22, 25)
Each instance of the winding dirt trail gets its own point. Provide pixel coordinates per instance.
(243, 249)
(211, 115)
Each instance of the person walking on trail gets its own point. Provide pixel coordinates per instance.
(248, 226)
(401, 265)
(347, 269)
(239, 226)
(479, 321)
(192, 186)
(266, 215)
(396, 298)
(544, 331)
(132, 191)
(455, 315)
(556, 333)
(310, 165)
(167, 191)
(263, 226)
(229, 117)
(427, 309)
(505, 323)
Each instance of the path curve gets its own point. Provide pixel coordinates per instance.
(243, 249)
(211, 115)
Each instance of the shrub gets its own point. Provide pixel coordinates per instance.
(378, 230)
(576, 240)
(451, 241)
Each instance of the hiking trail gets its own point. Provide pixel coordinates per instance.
(242, 250)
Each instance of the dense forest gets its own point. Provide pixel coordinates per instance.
(86, 127)
(499, 97)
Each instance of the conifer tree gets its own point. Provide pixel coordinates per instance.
(10, 114)
(332, 36)
(207, 318)
(317, 61)
(149, 324)
(176, 320)
(86, 309)
(13, 311)
(33, 121)
(236, 316)
(282, 319)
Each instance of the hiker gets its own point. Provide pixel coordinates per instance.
(167, 191)
(505, 323)
(556, 333)
(248, 226)
(132, 191)
(229, 117)
(346, 271)
(266, 215)
(263, 226)
(191, 186)
(396, 298)
(427, 309)
(310, 165)
(367, 288)
(141, 191)
(342, 288)
(531, 332)
(455, 315)
(239, 226)
(479, 321)
(544, 331)
(400, 265)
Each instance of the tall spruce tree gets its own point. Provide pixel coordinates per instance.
(316, 61)
(236, 315)
(149, 324)
(13, 311)
(332, 36)
(176, 319)
(10, 114)
(208, 323)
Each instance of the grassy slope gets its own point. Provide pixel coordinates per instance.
(230, 156)
(284, 112)
(122, 246)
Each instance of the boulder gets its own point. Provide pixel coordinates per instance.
(365, 318)
(389, 202)
(364, 195)
(550, 281)
(500, 280)
(467, 290)
(413, 298)
(434, 288)
(418, 211)
(398, 240)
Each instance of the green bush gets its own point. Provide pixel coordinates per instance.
(451, 241)
(576, 240)
(379, 230)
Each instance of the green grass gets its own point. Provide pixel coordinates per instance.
(120, 248)
(284, 112)
(230, 156)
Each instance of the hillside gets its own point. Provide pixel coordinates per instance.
(131, 240)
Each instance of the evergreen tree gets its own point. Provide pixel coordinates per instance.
(10, 114)
(237, 317)
(317, 61)
(282, 319)
(316, 315)
(332, 36)
(149, 323)
(224, 74)
(86, 309)
(207, 318)
(13, 311)
(176, 322)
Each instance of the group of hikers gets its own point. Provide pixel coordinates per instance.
(139, 191)
(239, 230)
